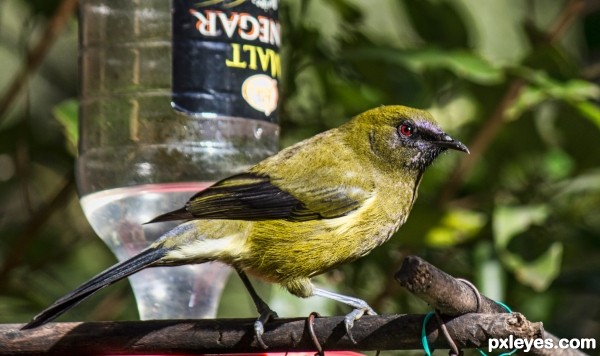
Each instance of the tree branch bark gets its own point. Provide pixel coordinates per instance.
(453, 297)
(385, 332)
(382, 332)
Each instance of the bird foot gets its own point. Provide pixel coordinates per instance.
(354, 315)
(259, 325)
(360, 308)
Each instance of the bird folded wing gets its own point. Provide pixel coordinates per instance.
(249, 196)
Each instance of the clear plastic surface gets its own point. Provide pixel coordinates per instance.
(117, 216)
(139, 158)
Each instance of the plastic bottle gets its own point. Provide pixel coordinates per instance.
(161, 121)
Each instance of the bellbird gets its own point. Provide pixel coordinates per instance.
(322, 202)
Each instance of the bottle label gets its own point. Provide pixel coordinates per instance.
(226, 58)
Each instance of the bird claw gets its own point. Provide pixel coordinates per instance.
(259, 330)
(259, 325)
(360, 308)
(354, 315)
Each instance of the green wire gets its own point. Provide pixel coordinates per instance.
(425, 344)
(424, 333)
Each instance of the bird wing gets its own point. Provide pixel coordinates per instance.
(250, 196)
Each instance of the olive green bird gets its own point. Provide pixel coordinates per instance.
(322, 202)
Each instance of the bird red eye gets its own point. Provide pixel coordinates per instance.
(406, 130)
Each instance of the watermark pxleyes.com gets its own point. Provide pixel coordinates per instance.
(526, 345)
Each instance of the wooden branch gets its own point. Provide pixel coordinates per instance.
(453, 297)
(440, 290)
(385, 332)
(389, 332)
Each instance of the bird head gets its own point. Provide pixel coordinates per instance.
(400, 136)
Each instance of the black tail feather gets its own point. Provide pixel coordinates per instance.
(179, 214)
(105, 278)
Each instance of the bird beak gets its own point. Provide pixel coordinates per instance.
(448, 142)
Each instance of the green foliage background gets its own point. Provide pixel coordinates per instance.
(520, 217)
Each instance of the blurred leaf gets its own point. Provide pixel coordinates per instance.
(539, 273)
(575, 92)
(66, 113)
(470, 66)
(585, 183)
(573, 89)
(455, 227)
(463, 64)
(508, 222)
(588, 110)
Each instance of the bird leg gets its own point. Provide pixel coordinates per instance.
(263, 309)
(360, 308)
